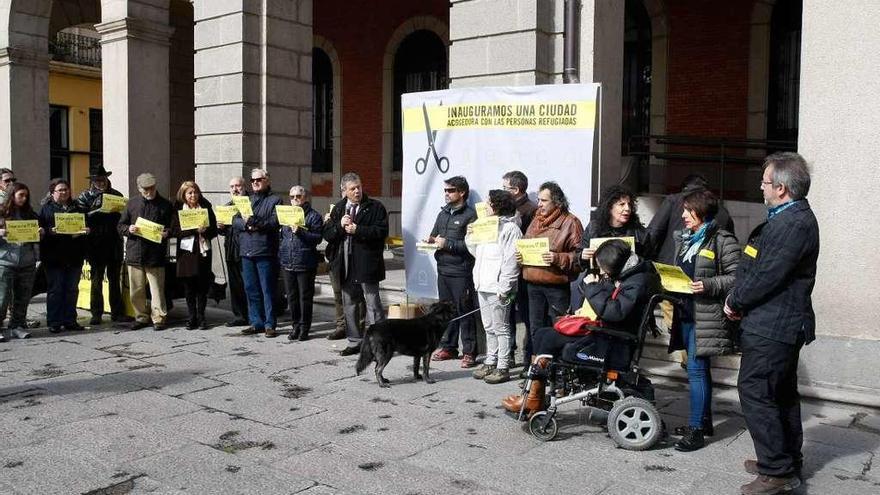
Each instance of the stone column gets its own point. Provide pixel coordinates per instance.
(24, 112)
(136, 96)
(601, 60)
(253, 92)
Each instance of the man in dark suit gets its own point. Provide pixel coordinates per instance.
(772, 296)
(357, 228)
(237, 296)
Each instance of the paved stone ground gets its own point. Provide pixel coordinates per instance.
(111, 411)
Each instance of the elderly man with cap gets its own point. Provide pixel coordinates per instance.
(145, 259)
(103, 246)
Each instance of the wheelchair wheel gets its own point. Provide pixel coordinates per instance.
(543, 427)
(635, 424)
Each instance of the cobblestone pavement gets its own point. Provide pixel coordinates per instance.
(113, 411)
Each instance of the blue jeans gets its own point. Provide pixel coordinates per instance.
(260, 276)
(61, 293)
(699, 371)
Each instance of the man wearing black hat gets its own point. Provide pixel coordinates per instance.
(104, 246)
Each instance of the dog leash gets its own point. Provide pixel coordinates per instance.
(505, 302)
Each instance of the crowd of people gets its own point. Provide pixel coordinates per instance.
(757, 296)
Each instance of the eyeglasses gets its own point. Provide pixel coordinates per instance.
(450, 190)
(61, 190)
(258, 179)
(10, 180)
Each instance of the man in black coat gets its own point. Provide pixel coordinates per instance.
(455, 266)
(772, 296)
(237, 297)
(517, 184)
(358, 227)
(146, 259)
(103, 247)
(668, 219)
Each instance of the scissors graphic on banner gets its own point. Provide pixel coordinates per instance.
(441, 161)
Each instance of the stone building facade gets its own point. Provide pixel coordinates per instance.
(307, 90)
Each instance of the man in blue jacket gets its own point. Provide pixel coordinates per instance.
(258, 248)
(774, 283)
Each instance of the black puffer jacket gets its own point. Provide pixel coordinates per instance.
(60, 249)
(139, 251)
(715, 265)
(454, 260)
(366, 264)
(622, 307)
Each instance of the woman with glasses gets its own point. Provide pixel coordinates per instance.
(298, 255)
(62, 254)
(18, 262)
(194, 253)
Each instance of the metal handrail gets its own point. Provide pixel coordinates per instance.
(76, 49)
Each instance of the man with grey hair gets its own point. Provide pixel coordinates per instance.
(358, 227)
(335, 274)
(237, 298)
(258, 245)
(772, 298)
(144, 258)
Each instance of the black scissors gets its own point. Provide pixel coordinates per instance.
(441, 161)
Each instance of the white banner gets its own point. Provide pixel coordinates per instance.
(546, 132)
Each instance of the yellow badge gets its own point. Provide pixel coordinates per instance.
(707, 254)
(751, 251)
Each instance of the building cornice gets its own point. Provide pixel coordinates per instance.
(24, 57)
(132, 28)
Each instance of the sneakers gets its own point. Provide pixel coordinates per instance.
(691, 441)
(445, 355)
(770, 485)
(483, 371)
(468, 361)
(497, 376)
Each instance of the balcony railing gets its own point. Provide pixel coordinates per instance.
(76, 49)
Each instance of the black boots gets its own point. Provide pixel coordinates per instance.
(691, 441)
(298, 333)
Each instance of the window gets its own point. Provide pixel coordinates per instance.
(419, 65)
(785, 68)
(636, 72)
(96, 137)
(322, 112)
(59, 142)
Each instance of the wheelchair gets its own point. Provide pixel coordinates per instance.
(611, 382)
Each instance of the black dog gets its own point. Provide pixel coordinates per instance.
(418, 337)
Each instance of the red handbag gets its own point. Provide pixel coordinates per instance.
(575, 326)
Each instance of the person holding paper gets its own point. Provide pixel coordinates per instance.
(237, 296)
(616, 216)
(455, 265)
(103, 247)
(549, 287)
(258, 244)
(358, 227)
(336, 262)
(298, 255)
(194, 253)
(495, 277)
(709, 255)
(773, 298)
(62, 255)
(146, 259)
(18, 262)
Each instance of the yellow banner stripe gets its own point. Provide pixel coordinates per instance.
(531, 115)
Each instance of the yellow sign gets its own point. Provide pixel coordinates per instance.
(243, 204)
(70, 223)
(428, 247)
(705, 253)
(532, 250)
(485, 230)
(751, 251)
(291, 216)
(482, 209)
(110, 203)
(598, 241)
(224, 214)
(673, 278)
(587, 311)
(84, 297)
(22, 231)
(538, 115)
(149, 230)
(193, 219)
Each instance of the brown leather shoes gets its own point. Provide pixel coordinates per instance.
(271, 333)
(770, 485)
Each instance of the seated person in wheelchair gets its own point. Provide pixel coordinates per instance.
(618, 299)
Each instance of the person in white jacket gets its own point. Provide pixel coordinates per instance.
(495, 279)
